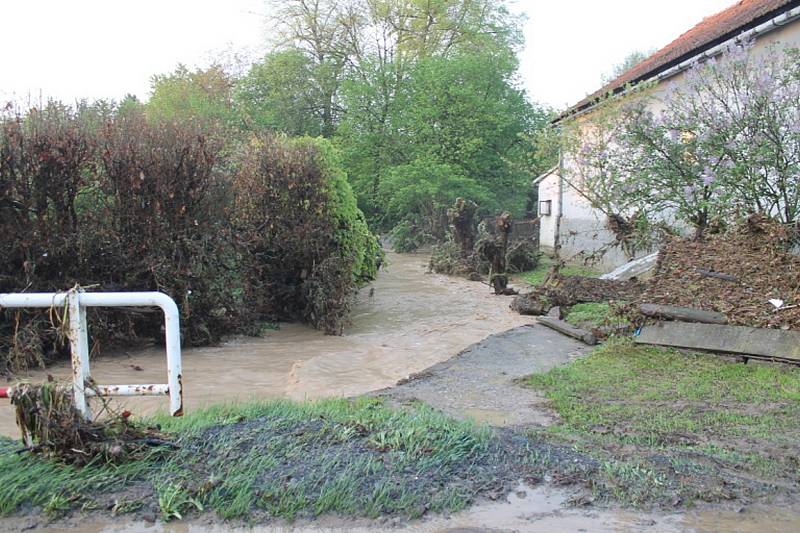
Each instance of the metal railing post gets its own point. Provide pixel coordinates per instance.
(79, 348)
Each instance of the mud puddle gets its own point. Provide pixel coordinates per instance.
(541, 508)
(411, 321)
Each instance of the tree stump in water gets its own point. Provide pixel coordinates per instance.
(462, 216)
(494, 250)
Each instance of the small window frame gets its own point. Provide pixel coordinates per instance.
(545, 207)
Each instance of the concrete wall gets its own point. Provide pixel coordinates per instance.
(583, 228)
(548, 190)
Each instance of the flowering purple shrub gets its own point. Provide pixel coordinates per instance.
(722, 142)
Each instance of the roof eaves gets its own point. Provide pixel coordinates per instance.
(616, 87)
(541, 177)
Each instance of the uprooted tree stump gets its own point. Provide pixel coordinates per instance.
(462, 220)
(495, 250)
(565, 291)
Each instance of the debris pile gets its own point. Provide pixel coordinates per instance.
(748, 274)
(565, 291)
(52, 426)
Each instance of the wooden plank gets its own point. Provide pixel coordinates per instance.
(567, 329)
(755, 342)
(686, 314)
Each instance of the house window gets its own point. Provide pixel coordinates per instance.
(544, 207)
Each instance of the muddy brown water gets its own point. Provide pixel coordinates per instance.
(412, 321)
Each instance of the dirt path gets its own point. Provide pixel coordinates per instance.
(480, 383)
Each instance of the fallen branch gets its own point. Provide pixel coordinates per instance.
(712, 274)
(568, 329)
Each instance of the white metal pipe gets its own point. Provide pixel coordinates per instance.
(172, 327)
(33, 299)
(158, 389)
(116, 299)
(79, 350)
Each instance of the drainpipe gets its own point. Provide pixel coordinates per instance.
(557, 238)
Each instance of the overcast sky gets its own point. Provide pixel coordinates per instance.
(105, 49)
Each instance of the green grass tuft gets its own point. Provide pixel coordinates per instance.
(537, 276)
(593, 315)
(665, 407)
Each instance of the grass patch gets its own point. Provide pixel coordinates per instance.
(276, 459)
(672, 424)
(537, 275)
(593, 315)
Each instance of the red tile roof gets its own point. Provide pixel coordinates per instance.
(726, 24)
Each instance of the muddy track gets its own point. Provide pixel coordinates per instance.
(481, 383)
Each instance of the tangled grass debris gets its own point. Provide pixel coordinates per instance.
(735, 273)
(53, 427)
(753, 263)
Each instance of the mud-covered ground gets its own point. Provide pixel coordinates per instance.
(376, 458)
(607, 426)
(482, 383)
(653, 428)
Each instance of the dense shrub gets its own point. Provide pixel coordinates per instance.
(308, 242)
(163, 220)
(234, 231)
(44, 163)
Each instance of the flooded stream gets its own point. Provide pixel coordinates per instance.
(411, 321)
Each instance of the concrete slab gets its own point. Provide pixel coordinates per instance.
(635, 268)
(755, 342)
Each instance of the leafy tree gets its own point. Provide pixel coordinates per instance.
(322, 30)
(466, 111)
(463, 113)
(203, 94)
(280, 93)
(363, 38)
(400, 84)
(417, 195)
(722, 144)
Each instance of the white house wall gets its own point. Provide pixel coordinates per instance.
(583, 228)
